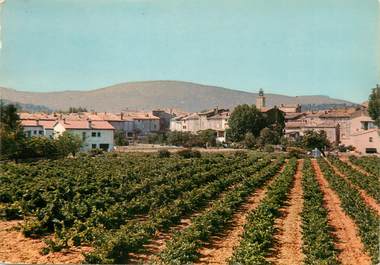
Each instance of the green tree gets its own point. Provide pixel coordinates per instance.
(245, 119)
(178, 138)
(275, 120)
(374, 105)
(69, 143)
(314, 139)
(207, 137)
(249, 140)
(268, 136)
(120, 138)
(11, 132)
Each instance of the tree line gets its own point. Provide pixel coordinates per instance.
(15, 145)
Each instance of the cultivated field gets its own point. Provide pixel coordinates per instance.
(228, 208)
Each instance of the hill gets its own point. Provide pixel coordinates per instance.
(155, 94)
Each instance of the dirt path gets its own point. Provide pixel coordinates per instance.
(221, 247)
(347, 240)
(289, 239)
(371, 202)
(15, 248)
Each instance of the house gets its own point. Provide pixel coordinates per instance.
(296, 129)
(94, 134)
(290, 108)
(38, 127)
(32, 128)
(215, 119)
(363, 133)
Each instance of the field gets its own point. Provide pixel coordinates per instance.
(232, 208)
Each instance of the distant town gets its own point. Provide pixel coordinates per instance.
(349, 127)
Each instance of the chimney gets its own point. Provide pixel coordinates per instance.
(38, 122)
(121, 115)
(89, 124)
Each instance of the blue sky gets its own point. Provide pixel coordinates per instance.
(293, 47)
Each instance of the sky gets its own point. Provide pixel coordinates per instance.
(291, 47)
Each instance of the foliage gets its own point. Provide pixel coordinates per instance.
(318, 245)
(11, 133)
(120, 138)
(365, 218)
(249, 140)
(182, 248)
(374, 105)
(275, 120)
(268, 136)
(207, 137)
(69, 143)
(163, 153)
(370, 184)
(370, 163)
(77, 109)
(259, 229)
(296, 152)
(315, 139)
(245, 119)
(189, 153)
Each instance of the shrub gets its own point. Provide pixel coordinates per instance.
(188, 153)
(96, 152)
(163, 153)
(241, 154)
(269, 148)
(295, 152)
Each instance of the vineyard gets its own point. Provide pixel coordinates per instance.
(232, 208)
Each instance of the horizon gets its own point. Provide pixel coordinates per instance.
(179, 81)
(285, 47)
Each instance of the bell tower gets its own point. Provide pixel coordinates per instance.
(260, 100)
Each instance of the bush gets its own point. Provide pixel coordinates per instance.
(295, 152)
(188, 153)
(96, 152)
(241, 154)
(269, 148)
(164, 153)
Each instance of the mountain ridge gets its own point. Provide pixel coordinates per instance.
(147, 95)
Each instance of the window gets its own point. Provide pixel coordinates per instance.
(370, 139)
(93, 134)
(105, 147)
(83, 136)
(93, 146)
(40, 132)
(364, 125)
(98, 134)
(34, 132)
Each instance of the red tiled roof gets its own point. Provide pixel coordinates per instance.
(30, 123)
(48, 124)
(86, 125)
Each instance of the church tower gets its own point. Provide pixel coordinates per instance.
(260, 100)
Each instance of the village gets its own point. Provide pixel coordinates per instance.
(350, 126)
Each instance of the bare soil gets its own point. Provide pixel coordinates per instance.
(347, 240)
(16, 248)
(222, 246)
(371, 202)
(288, 248)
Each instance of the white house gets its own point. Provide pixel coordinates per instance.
(214, 119)
(95, 134)
(38, 127)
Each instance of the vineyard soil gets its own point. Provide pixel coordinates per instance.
(289, 238)
(345, 231)
(222, 246)
(16, 248)
(371, 202)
